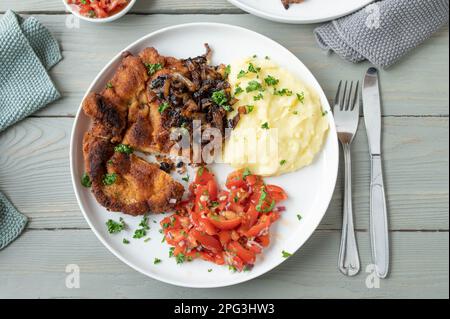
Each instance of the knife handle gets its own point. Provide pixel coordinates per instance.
(379, 234)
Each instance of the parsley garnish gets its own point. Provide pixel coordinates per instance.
(254, 86)
(144, 223)
(241, 74)
(139, 233)
(261, 201)
(250, 108)
(180, 258)
(152, 68)
(209, 270)
(200, 171)
(285, 254)
(282, 92)
(186, 178)
(238, 91)
(86, 180)
(324, 113)
(125, 241)
(227, 71)
(258, 97)
(109, 179)
(163, 106)
(246, 173)
(270, 80)
(253, 69)
(265, 126)
(282, 162)
(219, 97)
(115, 227)
(156, 261)
(109, 85)
(299, 217)
(122, 148)
(171, 251)
(301, 97)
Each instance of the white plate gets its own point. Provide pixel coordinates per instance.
(310, 11)
(310, 189)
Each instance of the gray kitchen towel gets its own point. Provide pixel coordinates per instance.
(384, 31)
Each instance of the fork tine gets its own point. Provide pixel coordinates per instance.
(348, 97)
(341, 102)
(336, 99)
(354, 106)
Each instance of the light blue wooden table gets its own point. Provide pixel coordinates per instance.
(34, 171)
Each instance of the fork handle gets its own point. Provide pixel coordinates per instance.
(379, 234)
(348, 262)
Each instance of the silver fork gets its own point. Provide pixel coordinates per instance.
(346, 115)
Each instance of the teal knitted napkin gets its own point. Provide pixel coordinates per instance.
(27, 52)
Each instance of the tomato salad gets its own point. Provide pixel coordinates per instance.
(98, 8)
(226, 227)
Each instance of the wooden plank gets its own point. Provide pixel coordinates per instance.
(141, 6)
(416, 86)
(34, 174)
(419, 270)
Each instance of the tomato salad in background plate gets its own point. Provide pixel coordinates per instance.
(226, 227)
(99, 10)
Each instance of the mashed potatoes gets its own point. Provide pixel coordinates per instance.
(282, 125)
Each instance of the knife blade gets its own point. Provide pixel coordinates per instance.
(379, 235)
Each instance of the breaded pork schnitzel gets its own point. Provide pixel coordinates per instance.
(147, 98)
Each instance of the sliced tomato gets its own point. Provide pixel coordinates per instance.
(235, 179)
(205, 225)
(262, 224)
(225, 237)
(264, 240)
(203, 176)
(207, 241)
(224, 224)
(246, 255)
(276, 193)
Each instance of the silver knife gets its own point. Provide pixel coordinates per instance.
(379, 234)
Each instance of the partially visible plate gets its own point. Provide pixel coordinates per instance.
(310, 11)
(310, 189)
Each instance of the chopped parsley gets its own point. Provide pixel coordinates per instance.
(285, 254)
(91, 14)
(270, 80)
(254, 86)
(238, 90)
(125, 241)
(109, 179)
(180, 258)
(200, 171)
(241, 74)
(162, 107)
(324, 113)
(258, 97)
(139, 233)
(186, 178)
(86, 180)
(209, 270)
(282, 92)
(227, 108)
(144, 223)
(262, 200)
(156, 261)
(301, 97)
(219, 97)
(122, 148)
(152, 68)
(109, 85)
(250, 108)
(299, 217)
(232, 268)
(265, 126)
(227, 71)
(171, 251)
(282, 162)
(115, 227)
(253, 69)
(246, 173)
